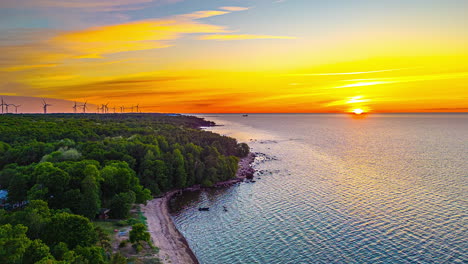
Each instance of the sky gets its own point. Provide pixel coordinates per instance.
(239, 56)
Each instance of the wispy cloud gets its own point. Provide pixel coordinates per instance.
(347, 101)
(96, 42)
(140, 35)
(83, 5)
(234, 8)
(404, 79)
(27, 67)
(225, 37)
(346, 73)
(358, 84)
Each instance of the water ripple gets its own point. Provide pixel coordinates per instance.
(389, 189)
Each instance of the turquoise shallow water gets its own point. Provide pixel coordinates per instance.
(335, 189)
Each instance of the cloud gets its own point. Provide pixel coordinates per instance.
(87, 5)
(350, 100)
(225, 37)
(234, 8)
(96, 42)
(346, 73)
(203, 14)
(53, 49)
(144, 85)
(461, 109)
(27, 67)
(141, 35)
(405, 79)
(359, 84)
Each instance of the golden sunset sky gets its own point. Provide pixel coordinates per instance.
(219, 56)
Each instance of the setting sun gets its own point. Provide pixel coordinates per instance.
(358, 111)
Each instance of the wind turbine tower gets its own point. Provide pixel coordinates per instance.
(74, 108)
(2, 104)
(16, 108)
(84, 107)
(45, 105)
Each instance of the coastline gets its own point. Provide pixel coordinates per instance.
(173, 247)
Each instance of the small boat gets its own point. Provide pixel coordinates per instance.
(245, 115)
(224, 208)
(203, 209)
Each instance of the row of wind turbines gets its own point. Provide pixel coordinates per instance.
(6, 106)
(104, 109)
(77, 108)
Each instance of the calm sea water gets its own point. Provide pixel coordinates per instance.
(334, 189)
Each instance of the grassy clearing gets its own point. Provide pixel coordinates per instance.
(148, 254)
(107, 226)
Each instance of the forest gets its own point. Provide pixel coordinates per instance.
(61, 170)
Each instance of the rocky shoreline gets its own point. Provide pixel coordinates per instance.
(173, 246)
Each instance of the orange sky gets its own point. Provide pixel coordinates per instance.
(239, 56)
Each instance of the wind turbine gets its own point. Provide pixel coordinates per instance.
(84, 107)
(16, 108)
(106, 108)
(2, 104)
(45, 105)
(6, 107)
(122, 109)
(74, 107)
(113, 108)
(132, 109)
(138, 108)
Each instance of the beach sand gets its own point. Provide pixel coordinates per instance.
(173, 246)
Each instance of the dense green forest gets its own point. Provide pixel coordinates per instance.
(60, 170)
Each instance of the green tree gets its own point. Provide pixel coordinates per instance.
(179, 169)
(139, 233)
(121, 205)
(90, 201)
(13, 243)
(54, 179)
(60, 250)
(91, 255)
(36, 251)
(74, 230)
(17, 190)
(38, 192)
(118, 177)
(35, 217)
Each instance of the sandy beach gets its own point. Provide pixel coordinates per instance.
(173, 246)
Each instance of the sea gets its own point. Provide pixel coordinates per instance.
(337, 188)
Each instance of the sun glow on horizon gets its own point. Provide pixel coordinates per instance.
(358, 111)
(217, 58)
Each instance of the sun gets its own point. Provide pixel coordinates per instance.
(358, 111)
